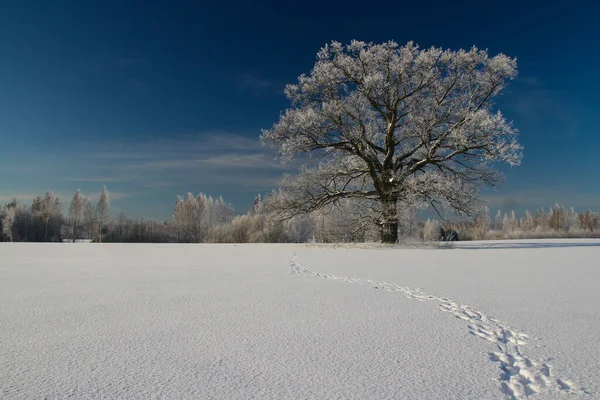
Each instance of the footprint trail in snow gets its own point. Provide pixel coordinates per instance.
(520, 376)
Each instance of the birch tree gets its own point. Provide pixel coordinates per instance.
(481, 224)
(498, 221)
(8, 219)
(46, 208)
(395, 124)
(194, 212)
(222, 212)
(89, 218)
(190, 217)
(102, 210)
(179, 218)
(76, 214)
(527, 221)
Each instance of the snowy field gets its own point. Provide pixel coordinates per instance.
(482, 320)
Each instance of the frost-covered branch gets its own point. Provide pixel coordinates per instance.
(395, 122)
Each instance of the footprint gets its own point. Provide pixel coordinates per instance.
(564, 384)
(520, 376)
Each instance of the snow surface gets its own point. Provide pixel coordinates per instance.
(481, 320)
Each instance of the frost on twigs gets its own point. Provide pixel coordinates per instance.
(395, 124)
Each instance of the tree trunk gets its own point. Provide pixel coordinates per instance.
(389, 232)
(389, 223)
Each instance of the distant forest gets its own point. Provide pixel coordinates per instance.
(202, 219)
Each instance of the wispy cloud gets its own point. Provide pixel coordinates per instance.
(93, 179)
(205, 159)
(227, 161)
(258, 160)
(147, 175)
(119, 156)
(65, 197)
(534, 199)
(155, 170)
(159, 164)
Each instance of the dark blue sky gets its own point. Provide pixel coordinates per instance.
(154, 99)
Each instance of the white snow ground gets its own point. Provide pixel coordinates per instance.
(491, 320)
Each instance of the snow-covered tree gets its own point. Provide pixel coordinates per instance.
(195, 216)
(498, 221)
(102, 210)
(46, 208)
(76, 215)
(256, 206)
(540, 220)
(121, 226)
(527, 223)
(9, 214)
(589, 221)
(222, 212)
(482, 224)
(89, 218)
(179, 218)
(395, 123)
(556, 218)
(571, 221)
(193, 211)
(509, 223)
(300, 229)
(408, 220)
(207, 213)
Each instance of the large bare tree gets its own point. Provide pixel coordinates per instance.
(394, 125)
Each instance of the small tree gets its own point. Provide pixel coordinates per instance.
(121, 226)
(589, 221)
(102, 210)
(527, 221)
(540, 220)
(76, 215)
(556, 218)
(221, 212)
(256, 206)
(46, 208)
(572, 221)
(191, 218)
(498, 221)
(90, 220)
(509, 223)
(431, 230)
(481, 224)
(8, 219)
(179, 219)
(395, 125)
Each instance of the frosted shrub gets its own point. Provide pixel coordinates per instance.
(431, 230)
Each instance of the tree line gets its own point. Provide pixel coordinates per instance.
(203, 219)
(556, 222)
(44, 221)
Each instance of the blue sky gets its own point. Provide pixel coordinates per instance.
(155, 99)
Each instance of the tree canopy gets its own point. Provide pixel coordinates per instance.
(395, 125)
